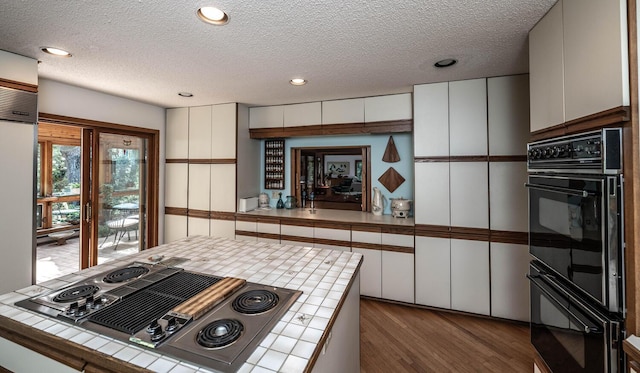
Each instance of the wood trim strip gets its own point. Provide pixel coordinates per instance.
(407, 231)
(631, 350)
(202, 214)
(66, 352)
(398, 249)
(212, 161)
(296, 222)
(299, 131)
(390, 126)
(365, 245)
(519, 238)
(473, 234)
(61, 119)
(444, 158)
(222, 215)
(438, 231)
(507, 158)
(331, 225)
(268, 235)
(18, 85)
(324, 241)
(590, 122)
(243, 217)
(177, 160)
(343, 129)
(308, 240)
(363, 227)
(175, 211)
(246, 233)
(472, 158)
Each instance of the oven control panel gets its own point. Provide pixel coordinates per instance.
(598, 152)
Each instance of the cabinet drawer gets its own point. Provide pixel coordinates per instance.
(268, 228)
(332, 234)
(293, 230)
(247, 226)
(365, 237)
(397, 240)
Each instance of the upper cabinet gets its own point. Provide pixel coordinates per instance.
(200, 132)
(390, 107)
(508, 113)
(266, 117)
(303, 114)
(223, 130)
(431, 122)
(578, 61)
(177, 128)
(343, 111)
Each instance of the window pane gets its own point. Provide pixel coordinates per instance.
(66, 170)
(38, 177)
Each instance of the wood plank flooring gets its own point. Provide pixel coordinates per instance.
(397, 338)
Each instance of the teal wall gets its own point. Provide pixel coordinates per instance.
(378, 143)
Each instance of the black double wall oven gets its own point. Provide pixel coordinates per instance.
(576, 240)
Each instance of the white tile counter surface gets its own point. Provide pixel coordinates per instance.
(322, 275)
(333, 216)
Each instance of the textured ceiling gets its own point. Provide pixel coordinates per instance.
(150, 50)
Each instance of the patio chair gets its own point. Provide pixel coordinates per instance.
(119, 223)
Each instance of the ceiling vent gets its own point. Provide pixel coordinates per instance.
(18, 106)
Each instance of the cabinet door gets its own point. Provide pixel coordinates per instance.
(431, 119)
(469, 194)
(197, 226)
(175, 228)
(468, 117)
(432, 193)
(509, 285)
(222, 228)
(223, 187)
(176, 184)
(596, 74)
(200, 132)
(266, 116)
(343, 111)
(508, 110)
(546, 71)
(199, 186)
(433, 271)
(390, 107)
(370, 272)
(307, 114)
(508, 196)
(470, 276)
(398, 276)
(223, 131)
(177, 134)
(332, 234)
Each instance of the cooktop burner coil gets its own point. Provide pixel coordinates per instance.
(255, 301)
(76, 293)
(124, 274)
(220, 333)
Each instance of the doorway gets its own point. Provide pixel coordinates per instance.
(96, 194)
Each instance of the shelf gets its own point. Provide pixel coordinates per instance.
(274, 164)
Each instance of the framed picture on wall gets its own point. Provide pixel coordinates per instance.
(359, 169)
(338, 168)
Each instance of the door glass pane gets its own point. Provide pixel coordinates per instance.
(66, 170)
(122, 184)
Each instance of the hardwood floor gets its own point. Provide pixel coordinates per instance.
(396, 338)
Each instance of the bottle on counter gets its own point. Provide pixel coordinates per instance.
(280, 204)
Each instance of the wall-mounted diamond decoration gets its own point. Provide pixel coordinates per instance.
(391, 179)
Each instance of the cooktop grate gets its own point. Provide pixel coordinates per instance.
(136, 311)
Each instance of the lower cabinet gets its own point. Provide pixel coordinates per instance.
(509, 284)
(398, 276)
(433, 271)
(175, 227)
(222, 228)
(470, 289)
(370, 272)
(197, 226)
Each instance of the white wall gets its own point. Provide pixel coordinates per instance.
(63, 99)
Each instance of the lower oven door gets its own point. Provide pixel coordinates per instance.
(575, 229)
(569, 334)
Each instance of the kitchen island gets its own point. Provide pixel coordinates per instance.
(319, 333)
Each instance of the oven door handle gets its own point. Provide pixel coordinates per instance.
(560, 190)
(587, 329)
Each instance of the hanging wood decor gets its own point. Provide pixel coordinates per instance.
(391, 179)
(391, 153)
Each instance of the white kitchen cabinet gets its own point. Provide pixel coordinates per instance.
(306, 114)
(332, 234)
(389, 107)
(469, 194)
(177, 133)
(431, 120)
(432, 193)
(470, 288)
(176, 184)
(200, 132)
(546, 70)
(509, 284)
(468, 117)
(433, 271)
(370, 271)
(508, 197)
(175, 227)
(508, 112)
(199, 188)
(398, 276)
(343, 111)
(269, 228)
(197, 226)
(223, 187)
(246, 226)
(596, 65)
(222, 228)
(266, 116)
(393, 239)
(305, 233)
(366, 237)
(223, 131)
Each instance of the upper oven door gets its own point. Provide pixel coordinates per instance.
(574, 224)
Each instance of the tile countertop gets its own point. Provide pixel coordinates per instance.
(329, 215)
(322, 275)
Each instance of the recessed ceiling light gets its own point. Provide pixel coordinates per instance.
(297, 81)
(185, 94)
(446, 62)
(56, 52)
(213, 15)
